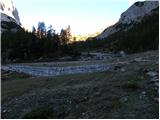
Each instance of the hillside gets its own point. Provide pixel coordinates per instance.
(142, 36)
(132, 15)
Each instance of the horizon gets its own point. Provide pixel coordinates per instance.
(84, 16)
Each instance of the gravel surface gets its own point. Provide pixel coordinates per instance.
(55, 71)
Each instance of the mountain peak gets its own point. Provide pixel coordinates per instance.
(8, 11)
(137, 11)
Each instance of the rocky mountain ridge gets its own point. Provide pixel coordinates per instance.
(133, 14)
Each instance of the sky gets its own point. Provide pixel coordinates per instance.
(84, 16)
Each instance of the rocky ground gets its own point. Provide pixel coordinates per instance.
(128, 88)
(86, 63)
(55, 71)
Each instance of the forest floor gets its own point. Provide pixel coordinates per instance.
(128, 90)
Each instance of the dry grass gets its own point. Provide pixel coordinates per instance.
(112, 94)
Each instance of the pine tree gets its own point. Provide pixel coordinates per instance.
(33, 30)
(65, 36)
(50, 32)
(41, 30)
(69, 35)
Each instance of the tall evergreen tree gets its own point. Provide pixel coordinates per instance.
(50, 32)
(33, 30)
(65, 36)
(69, 35)
(41, 30)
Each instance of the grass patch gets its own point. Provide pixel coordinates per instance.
(8, 75)
(130, 86)
(18, 85)
(40, 112)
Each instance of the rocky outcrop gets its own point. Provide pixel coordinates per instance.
(9, 16)
(132, 15)
(137, 11)
(8, 23)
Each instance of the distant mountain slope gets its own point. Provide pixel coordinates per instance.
(132, 15)
(9, 16)
(132, 38)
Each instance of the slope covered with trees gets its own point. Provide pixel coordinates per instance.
(139, 37)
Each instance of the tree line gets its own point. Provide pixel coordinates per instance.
(46, 43)
(39, 43)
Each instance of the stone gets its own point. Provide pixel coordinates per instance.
(122, 53)
(83, 114)
(125, 99)
(157, 84)
(155, 80)
(144, 93)
(156, 99)
(152, 73)
(122, 70)
(4, 111)
(138, 59)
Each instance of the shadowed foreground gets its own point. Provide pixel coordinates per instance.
(127, 91)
